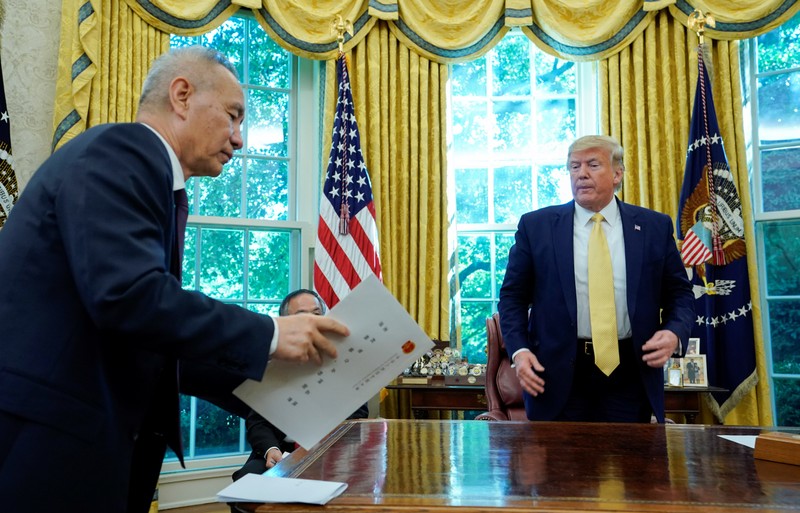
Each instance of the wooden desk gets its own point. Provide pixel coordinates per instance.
(437, 396)
(686, 401)
(394, 466)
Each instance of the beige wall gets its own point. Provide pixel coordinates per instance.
(29, 57)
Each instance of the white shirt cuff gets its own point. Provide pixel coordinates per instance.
(273, 345)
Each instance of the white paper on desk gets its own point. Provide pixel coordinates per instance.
(261, 488)
(746, 440)
(308, 401)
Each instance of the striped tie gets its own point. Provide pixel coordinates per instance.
(602, 311)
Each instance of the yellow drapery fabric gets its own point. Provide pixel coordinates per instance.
(646, 97)
(399, 100)
(106, 50)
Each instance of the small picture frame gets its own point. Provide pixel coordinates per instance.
(693, 347)
(695, 373)
(673, 373)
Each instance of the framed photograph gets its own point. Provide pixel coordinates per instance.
(695, 373)
(673, 374)
(693, 347)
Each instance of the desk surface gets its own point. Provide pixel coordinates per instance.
(467, 466)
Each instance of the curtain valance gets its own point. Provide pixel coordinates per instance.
(460, 30)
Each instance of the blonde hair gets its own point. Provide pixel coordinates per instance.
(599, 141)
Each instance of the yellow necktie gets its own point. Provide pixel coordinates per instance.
(602, 311)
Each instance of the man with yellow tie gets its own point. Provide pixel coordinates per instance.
(595, 299)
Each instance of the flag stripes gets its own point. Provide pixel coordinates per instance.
(347, 248)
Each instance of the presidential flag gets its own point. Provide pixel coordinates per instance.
(9, 191)
(347, 249)
(711, 232)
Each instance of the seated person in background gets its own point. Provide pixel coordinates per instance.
(268, 442)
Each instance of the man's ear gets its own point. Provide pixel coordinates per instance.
(179, 92)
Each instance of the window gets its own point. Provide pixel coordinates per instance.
(771, 71)
(514, 113)
(247, 242)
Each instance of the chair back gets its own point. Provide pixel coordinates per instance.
(503, 391)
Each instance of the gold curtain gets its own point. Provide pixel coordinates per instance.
(400, 101)
(646, 97)
(105, 52)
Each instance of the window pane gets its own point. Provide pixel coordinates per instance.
(267, 189)
(270, 65)
(216, 431)
(552, 185)
(787, 402)
(270, 309)
(268, 123)
(220, 196)
(470, 133)
(189, 257)
(554, 76)
(512, 121)
(555, 127)
(473, 330)
(469, 78)
(781, 248)
(222, 268)
(779, 168)
(503, 243)
(513, 191)
(472, 195)
(269, 265)
(512, 75)
(780, 48)
(779, 108)
(474, 271)
(784, 327)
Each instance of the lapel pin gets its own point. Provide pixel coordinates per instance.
(637, 227)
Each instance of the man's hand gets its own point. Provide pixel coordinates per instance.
(272, 457)
(527, 365)
(301, 338)
(660, 348)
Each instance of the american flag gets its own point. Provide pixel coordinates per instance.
(347, 249)
(711, 226)
(9, 192)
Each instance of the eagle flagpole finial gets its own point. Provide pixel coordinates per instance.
(339, 26)
(698, 21)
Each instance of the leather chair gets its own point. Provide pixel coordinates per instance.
(503, 392)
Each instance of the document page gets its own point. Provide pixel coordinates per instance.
(307, 401)
(261, 488)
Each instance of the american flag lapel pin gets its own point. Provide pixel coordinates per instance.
(637, 228)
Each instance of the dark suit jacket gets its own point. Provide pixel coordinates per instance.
(541, 274)
(93, 324)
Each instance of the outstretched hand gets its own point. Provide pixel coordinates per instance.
(302, 338)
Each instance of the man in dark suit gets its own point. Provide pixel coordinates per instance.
(267, 441)
(93, 321)
(544, 309)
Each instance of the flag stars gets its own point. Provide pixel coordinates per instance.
(360, 196)
(5, 117)
(362, 180)
(334, 192)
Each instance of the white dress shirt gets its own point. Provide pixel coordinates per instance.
(612, 226)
